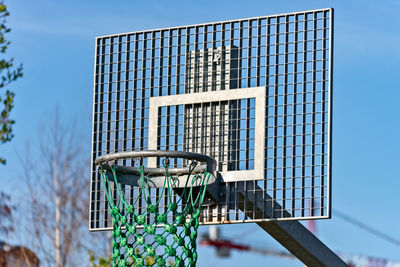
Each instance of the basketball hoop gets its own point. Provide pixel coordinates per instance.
(156, 234)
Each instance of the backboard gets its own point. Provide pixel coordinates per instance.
(254, 94)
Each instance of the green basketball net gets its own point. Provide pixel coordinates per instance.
(150, 235)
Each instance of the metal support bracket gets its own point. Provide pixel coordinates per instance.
(291, 234)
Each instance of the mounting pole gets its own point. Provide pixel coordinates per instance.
(291, 234)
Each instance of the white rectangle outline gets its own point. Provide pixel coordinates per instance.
(224, 95)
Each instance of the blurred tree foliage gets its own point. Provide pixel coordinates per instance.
(8, 74)
(99, 262)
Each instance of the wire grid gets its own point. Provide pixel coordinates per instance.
(289, 54)
(224, 130)
(210, 69)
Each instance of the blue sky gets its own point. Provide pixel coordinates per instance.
(55, 42)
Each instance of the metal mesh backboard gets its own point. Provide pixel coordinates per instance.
(254, 94)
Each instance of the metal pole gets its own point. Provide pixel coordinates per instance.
(291, 234)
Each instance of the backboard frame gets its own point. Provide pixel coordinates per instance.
(252, 186)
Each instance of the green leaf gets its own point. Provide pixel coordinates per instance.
(8, 74)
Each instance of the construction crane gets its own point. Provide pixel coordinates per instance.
(225, 246)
